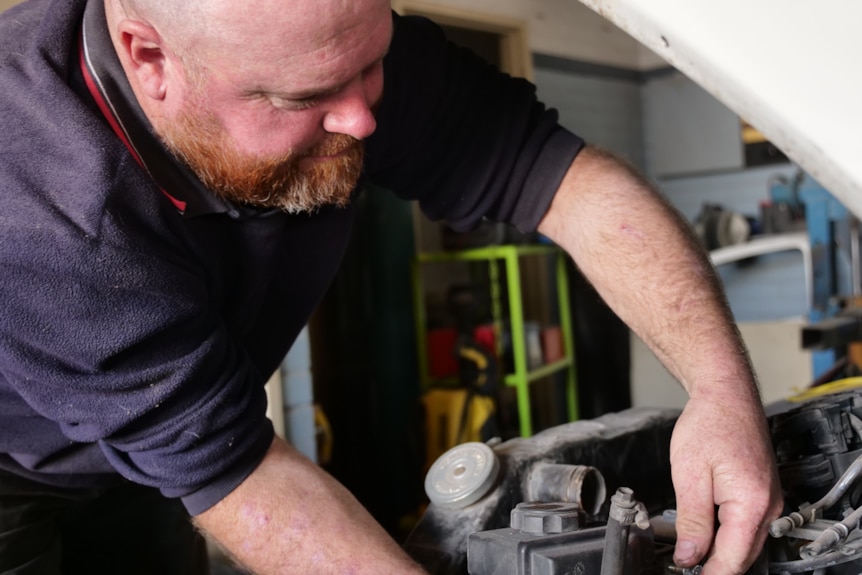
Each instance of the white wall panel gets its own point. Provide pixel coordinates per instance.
(565, 28)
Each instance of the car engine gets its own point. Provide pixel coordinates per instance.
(540, 505)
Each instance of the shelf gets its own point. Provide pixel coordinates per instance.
(513, 379)
(521, 376)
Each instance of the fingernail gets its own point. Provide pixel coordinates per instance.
(684, 551)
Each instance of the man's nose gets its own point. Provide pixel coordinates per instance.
(351, 112)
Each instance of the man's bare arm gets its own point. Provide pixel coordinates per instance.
(289, 516)
(644, 261)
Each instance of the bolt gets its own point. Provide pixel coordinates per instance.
(623, 506)
(546, 518)
(624, 497)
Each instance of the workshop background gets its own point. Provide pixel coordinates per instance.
(350, 388)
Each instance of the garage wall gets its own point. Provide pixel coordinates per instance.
(686, 130)
(602, 104)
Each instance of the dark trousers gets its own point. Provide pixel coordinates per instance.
(126, 529)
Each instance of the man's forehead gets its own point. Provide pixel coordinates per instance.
(304, 53)
(292, 20)
(316, 28)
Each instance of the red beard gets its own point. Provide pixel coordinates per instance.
(285, 182)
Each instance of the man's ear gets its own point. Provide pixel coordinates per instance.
(146, 57)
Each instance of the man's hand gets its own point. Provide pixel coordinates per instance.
(721, 456)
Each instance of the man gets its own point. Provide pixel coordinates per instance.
(177, 180)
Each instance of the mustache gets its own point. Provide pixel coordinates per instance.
(337, 144)
(333, 146)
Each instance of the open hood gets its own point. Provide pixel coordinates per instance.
(789, 68)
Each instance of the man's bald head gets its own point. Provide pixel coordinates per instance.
(203, 31)
(161, 10)
(266, 100)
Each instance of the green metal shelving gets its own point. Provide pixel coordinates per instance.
(521, 377)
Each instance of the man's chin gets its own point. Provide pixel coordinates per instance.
(308, 208)
(305, 199)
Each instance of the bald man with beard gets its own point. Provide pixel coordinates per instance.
(178, 181)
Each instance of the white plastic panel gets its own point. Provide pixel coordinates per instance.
(789, 67)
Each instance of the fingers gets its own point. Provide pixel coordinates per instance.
(748, 502)
(742, 530)
(694, 517)
(738, 541)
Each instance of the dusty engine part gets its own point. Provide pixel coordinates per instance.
(554, 486)
(625, 512)
(629, 448)
(582, 485)
(815, 443)
(824, 429)
(818, 446)
(545, 545)
(462, 475)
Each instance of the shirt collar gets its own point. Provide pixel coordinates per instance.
(108, 84)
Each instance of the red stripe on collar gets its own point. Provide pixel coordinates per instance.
(112, 121)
